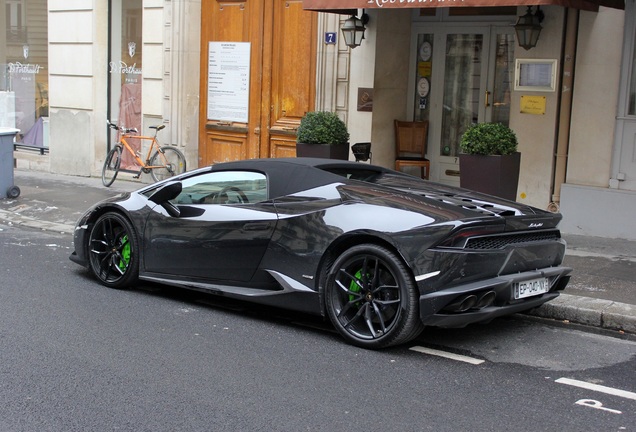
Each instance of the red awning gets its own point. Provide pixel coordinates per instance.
(338, 5)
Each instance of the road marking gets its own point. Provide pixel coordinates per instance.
(447, 355)
(598, 388)
(597, 405)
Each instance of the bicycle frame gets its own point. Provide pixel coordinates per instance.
(154, 145)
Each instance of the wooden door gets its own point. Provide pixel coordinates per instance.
(282, 39)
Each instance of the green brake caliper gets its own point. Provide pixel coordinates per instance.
(353, 286)
(125, 253)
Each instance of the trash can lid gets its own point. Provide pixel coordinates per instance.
(8, 131)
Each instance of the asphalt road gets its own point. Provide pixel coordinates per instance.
(75, 356)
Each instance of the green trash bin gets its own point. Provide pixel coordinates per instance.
(7, 188)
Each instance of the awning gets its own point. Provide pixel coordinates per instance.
(339, 5)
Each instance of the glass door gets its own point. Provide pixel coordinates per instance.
(470, 75)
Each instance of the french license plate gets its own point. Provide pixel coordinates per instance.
(531, 287)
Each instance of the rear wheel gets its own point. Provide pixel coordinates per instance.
(113, 251)
(371, 298)
(111, 166)
(171, 162)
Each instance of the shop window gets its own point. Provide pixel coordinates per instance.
(125, 70)
(24, 102)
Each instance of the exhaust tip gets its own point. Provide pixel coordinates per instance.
(486, 300)
(462, 304)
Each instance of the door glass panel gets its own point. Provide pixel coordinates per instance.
(504, 75)
(462, 79)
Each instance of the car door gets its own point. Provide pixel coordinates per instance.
(223, 230)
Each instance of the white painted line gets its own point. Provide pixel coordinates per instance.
(447, 355)
(598, 388)
(596, 405)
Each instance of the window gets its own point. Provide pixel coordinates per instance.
(125, 70)
(24, 74)
(16, 27)
(225, 187)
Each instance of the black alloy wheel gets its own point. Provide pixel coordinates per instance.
(113, 251)
(371, 298)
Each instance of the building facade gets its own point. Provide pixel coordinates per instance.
(145, 62)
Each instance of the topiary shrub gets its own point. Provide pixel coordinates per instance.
(322, 127)
(488, 139)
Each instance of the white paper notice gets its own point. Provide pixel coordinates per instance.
(228, 81)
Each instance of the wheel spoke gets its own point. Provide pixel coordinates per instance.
(348, 290)
(381, 319)
(355, 317)
(369, 321)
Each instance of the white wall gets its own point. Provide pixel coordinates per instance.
(596, 86)
(588, 205)
(180, 77)
(77, 84)
(393, 41)
(362, 74)
(537, 133)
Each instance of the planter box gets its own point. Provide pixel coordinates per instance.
(325, 151)
(494, 175)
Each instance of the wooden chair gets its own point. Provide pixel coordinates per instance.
(410, 146)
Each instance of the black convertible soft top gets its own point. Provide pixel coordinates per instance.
(287, 176)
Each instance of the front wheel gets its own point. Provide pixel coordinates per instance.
(371, 298)
(113, 251)
(170, 161)
(111, 166)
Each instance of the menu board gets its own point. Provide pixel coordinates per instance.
(228, 81)
(535, 75)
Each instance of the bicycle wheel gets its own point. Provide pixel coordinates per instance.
(111, 166)
(171, 162)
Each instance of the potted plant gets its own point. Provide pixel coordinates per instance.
(322, 134)
(489, 161)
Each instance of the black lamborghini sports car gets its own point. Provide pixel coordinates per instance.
(381, 253)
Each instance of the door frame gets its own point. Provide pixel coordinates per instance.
(446, 168)
(625, 134)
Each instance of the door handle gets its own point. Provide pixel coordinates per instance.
(487, 99)
(256, 226)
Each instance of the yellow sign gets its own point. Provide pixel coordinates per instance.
(424, 69)
(533, 104)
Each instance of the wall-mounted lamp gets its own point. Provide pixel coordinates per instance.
(353, 30)
(528, 28)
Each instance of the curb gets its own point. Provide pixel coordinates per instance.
(604, 314)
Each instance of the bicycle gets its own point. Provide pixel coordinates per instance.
(165, 162)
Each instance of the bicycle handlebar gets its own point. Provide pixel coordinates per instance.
(121, 129)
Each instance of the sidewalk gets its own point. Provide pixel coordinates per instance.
(601, 293)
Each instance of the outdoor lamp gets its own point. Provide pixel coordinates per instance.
(353, 30)
(528, 28)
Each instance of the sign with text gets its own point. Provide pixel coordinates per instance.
(228, 81)
(533, 105)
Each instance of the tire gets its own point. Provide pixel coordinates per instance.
(371, 299)
(13, 192)
(113, 251)
(171, 160)
(111, 166)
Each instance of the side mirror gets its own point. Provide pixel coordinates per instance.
(164, 194)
